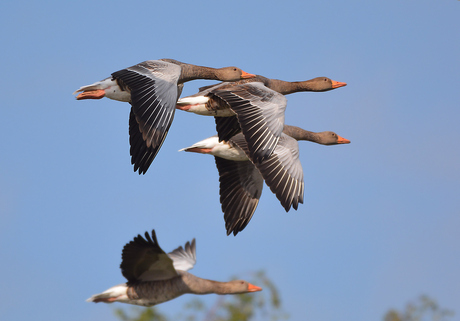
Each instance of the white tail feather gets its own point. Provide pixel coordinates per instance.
(210, 142)
(115, 293)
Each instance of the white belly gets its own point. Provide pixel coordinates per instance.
(223, 150)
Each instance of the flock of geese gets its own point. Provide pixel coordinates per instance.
(252, 146)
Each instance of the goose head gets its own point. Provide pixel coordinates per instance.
(324, 84)
(331, 138)
(232, 74)
(240, 286)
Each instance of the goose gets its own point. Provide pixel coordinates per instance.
(254, 106)
(241, 180)
(155, 277)
(152, 88)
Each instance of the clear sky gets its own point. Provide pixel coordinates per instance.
(380, 224)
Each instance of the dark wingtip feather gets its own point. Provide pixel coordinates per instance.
(154, 239)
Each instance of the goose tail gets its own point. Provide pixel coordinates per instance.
(115, 293)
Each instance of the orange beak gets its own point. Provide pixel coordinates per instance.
(253, 288)
(245, 75)
(91, 94)
(337, 84)
(341, 140)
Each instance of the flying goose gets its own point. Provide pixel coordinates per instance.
(155, 277)
(152, 88)
(241, 180)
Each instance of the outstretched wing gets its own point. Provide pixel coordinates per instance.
(144, 260)
(184, 258)
(282, 171)
(154, 92)
(260, 112)
(241, 186)
(227, 127)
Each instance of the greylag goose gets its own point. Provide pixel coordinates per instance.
(155, 277)
(241, 180)
(152, 87)
(254, 106)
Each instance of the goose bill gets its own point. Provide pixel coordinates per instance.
(341, 140)
(246, 75)
(253, 288)
(337, 84)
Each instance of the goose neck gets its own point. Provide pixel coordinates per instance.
(204, 286)
(300, 134)
(191, 72)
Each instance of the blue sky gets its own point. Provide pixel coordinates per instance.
(380, 223)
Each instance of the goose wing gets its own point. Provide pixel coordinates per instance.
(260, 113)
(282, 171)
(240, 190)
(154, 92)
(144, 260)
(227, 127)
(184, 258)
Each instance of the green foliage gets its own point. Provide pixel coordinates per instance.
(425, 310)
(264, 305)
(140, 314)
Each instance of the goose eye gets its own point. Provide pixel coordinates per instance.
(234, 69)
